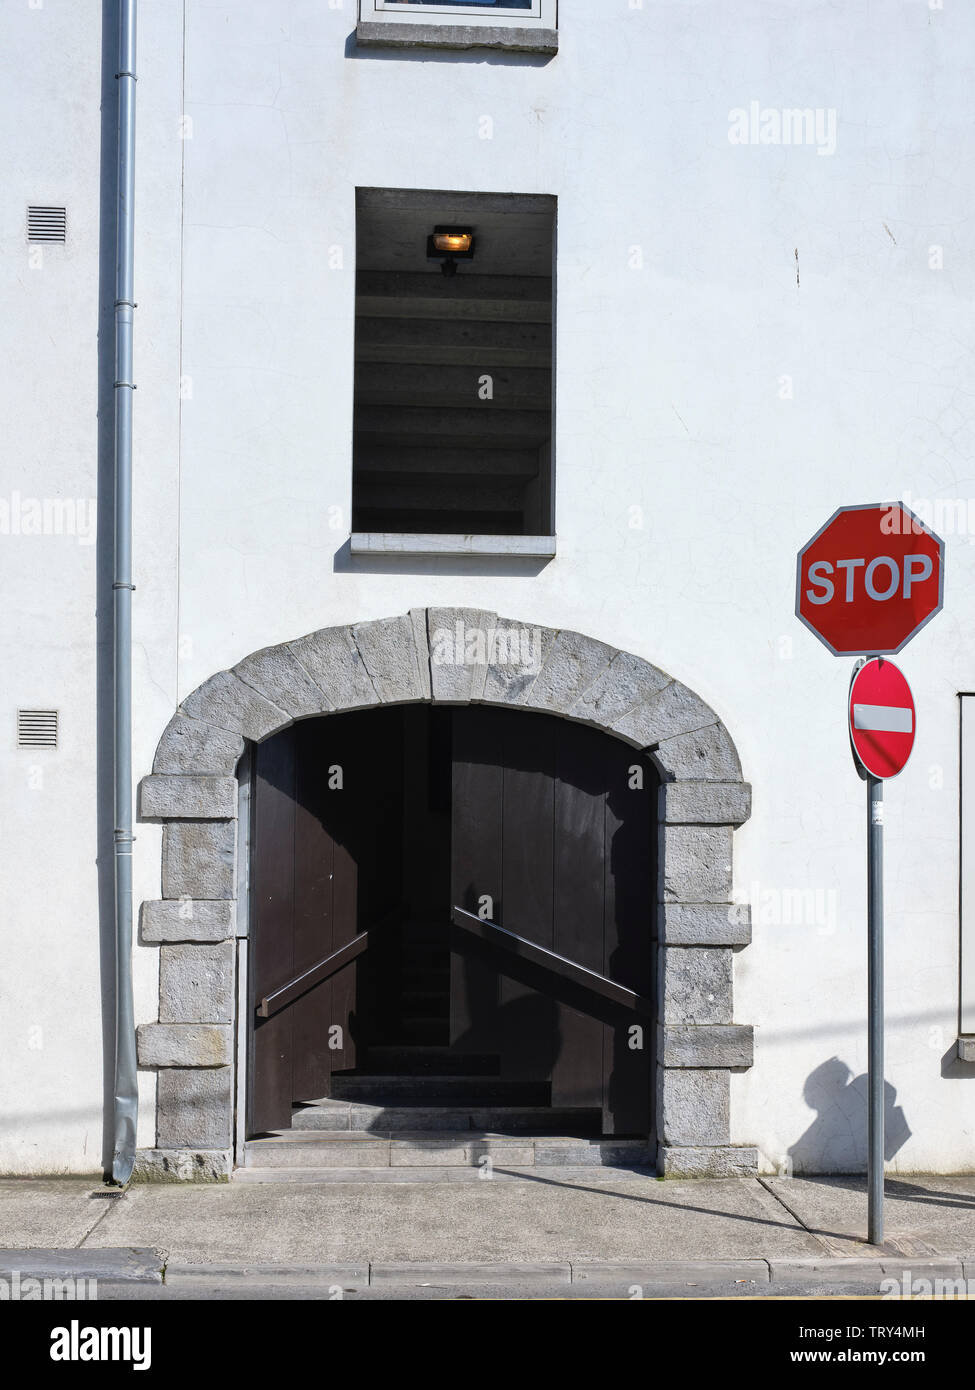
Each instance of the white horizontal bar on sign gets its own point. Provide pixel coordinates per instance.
(885, 719)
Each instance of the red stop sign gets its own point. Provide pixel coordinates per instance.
(869, 579)
(882, 718)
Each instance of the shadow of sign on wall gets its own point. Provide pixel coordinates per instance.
(836, 1141)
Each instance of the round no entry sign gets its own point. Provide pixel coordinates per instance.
(882, 720)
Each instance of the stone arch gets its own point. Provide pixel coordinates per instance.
(448, 656)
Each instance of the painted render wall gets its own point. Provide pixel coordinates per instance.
(747, 336)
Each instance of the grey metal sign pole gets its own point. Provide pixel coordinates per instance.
(875, 1015)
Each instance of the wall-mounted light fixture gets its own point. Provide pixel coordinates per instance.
(448, 245)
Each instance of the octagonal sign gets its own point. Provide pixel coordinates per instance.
(870, 579)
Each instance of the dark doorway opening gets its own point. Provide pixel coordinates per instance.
(452, 907)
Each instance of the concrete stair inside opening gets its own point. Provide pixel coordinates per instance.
(316, 1152)
(422, 1120)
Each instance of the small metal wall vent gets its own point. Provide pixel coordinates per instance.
(47, 224)
(37, 728)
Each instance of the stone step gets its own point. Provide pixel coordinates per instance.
(419, 1029)
(443, 1149)
(421, 975)
(456, 1090)
(344, 1116)
(426, 1003)
(591, 1176)
(411, 1060)
(427, 929)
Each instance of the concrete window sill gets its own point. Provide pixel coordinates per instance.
(396, 543)
(513, 38)
(966, 1049)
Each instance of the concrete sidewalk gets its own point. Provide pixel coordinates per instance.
(605, 1232)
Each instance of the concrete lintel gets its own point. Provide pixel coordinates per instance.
(449, 544)
(512, 38)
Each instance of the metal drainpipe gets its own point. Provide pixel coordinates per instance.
(126, 1076)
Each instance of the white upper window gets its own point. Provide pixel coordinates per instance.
(521, 8)
(530, 24)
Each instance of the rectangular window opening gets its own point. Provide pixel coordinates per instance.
(452, 431)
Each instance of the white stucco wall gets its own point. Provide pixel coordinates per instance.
(51, 1079)
(679, 318)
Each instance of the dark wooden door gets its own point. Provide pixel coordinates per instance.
(553, 840)
(369, 827)
(325, 806)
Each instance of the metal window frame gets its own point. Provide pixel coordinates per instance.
(461, 11)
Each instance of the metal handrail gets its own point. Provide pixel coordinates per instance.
(551, 961)
(329, 965)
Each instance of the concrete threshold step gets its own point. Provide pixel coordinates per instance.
(564, 1174)
(345, 1115)
(426, 1148)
